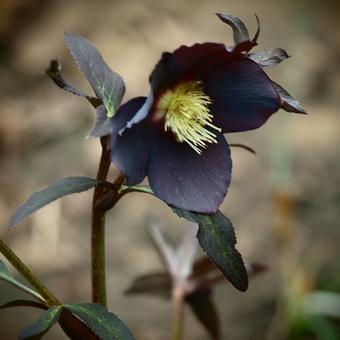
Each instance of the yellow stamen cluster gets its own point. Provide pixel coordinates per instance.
(186, 113)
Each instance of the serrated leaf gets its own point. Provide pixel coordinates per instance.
(63, 187)
(158, 284)
(23, 303)
(107, 85)
(42, 325)
(204, 309)
(217, 238)
(5, 275)
(240, 30)
(269, 57)
(54, 72)
(288, 103)
(103, 323)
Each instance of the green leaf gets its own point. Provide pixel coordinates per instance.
(42, 325)
(5, 275)
(103, 323)
(217, 238)
(322, 327)
(23, 303)
(320, 302)
(107, 85)
(63, 187)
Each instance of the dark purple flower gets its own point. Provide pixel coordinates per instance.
(175, 135)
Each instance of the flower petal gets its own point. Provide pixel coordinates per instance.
(242, 94)
(130, 151)
(187, 63)
(186, 180)
(126, 112)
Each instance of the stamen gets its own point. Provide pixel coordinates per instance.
(186, 113)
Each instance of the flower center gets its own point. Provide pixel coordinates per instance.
(186, 113)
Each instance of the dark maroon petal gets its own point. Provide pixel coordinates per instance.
(130, 151)
(125, 113)
(104, 126)
(186, 180)
(243, 96)
(187, 63)
(160, 77)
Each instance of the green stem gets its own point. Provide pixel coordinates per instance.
(50, 299)
(178, 313)
(100, 205)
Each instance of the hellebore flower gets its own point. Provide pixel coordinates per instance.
(198, 93)
(175, 135)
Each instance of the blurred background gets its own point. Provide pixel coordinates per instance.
(284, 202)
